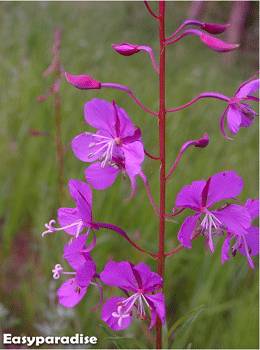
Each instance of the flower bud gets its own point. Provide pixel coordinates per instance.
(217, 44)
(83, 82)
(203, 142)
(214, 28)
(126, 49)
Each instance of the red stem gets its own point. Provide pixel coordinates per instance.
(123, 234)
(130, 93)
(57, 112)
(180, 247)
(59, 145)
(162, 114)
(150, 9)
(174, 166)
(215, 95)
(139, 103)
(151, 155)
(149, 193)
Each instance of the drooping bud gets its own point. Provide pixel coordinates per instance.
(207, 39)
(126, 49)
(202, 142)
(214, 28)
(82, 81)
(217, 44)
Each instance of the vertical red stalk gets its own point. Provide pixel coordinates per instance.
(57, 110)
(58, 141)
(162, 113)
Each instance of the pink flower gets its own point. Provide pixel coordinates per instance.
(73, 290)
(139, 281)
(115, 147)
(246, 243)
(200, 196)
(239, 114)
(74, 220)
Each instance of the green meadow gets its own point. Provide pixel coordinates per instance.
(208, 305)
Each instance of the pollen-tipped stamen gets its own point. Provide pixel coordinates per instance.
(210, 221)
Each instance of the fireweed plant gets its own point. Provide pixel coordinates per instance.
(115, 147)
(56, 71)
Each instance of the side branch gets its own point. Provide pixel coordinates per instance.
(149, 193)
(215, 95)
(180, 247)
(150, 10)
(123, 234)
(199, 143)
(151, 155)
(130, 94)
(149, 50)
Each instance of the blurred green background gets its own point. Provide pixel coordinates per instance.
(209, 305)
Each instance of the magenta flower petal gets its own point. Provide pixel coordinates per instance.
(215, 28)
(134, 156)
(190, 195)
(234, 118)
(249, 88)
(85, 273)
(235, 218)
(101, 177)
(252, 205)
(73, 252)
(126, 126)
(83, 82)
(150, 280)
(84, 149)
(157, 303)
(113, 314)
(126, 49)
(68, 216)
(119, 274)
(252, 240)
(225, 249)
(82, 195)
(79, 189)
(224, 185)
(246, 121)
(101, 114)
(70, 294)
(217, 44)
(187, 229)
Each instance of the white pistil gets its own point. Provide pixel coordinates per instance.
(58, 271)
(51, 228)
(120, 314)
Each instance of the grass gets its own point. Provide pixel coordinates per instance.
(209, 306)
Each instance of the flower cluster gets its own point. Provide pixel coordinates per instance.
(116, 147)
(232, 220)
